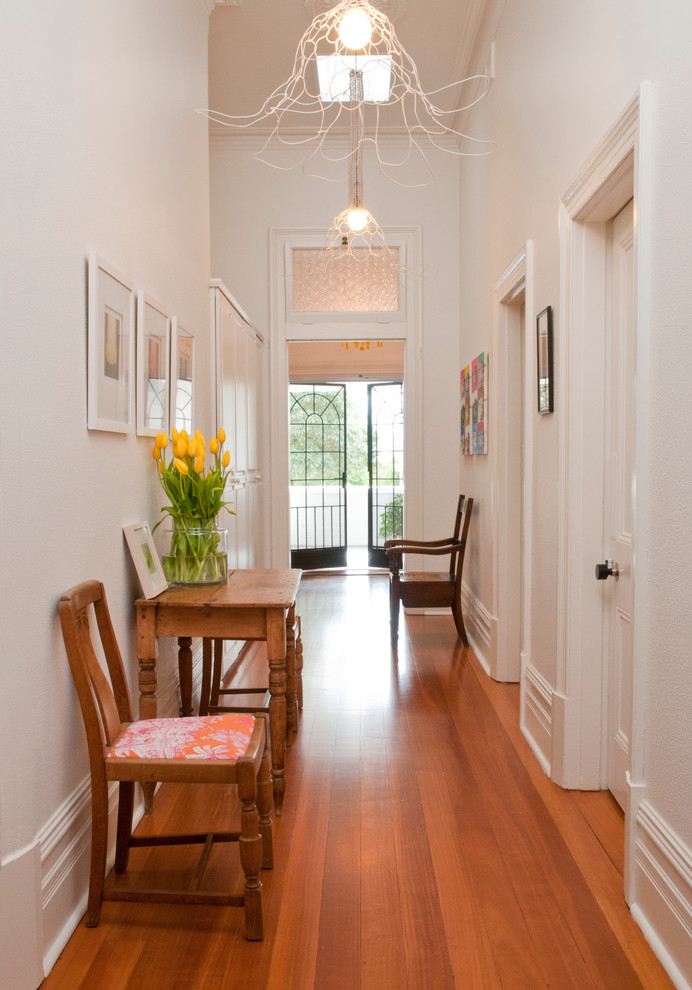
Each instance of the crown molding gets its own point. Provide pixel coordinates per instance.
(220, 136)
(210, 4)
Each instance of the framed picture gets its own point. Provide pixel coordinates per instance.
(153, 350)
(474, 404)
(182, 377)
(110, 348)
(145, 559)
(544, 350)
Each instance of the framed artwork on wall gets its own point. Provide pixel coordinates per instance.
(474, 403)
(146, 559)
(544, 351)
(153, 351)
(182, 377)
(110, 348)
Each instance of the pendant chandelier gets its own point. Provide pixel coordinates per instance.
(368, 68)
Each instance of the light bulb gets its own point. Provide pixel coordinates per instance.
(355, 29)
(357, 219)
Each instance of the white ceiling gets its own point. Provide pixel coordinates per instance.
(252, 44)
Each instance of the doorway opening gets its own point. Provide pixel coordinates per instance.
(346, 451)
(346, 472)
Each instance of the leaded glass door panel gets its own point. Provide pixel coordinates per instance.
(318, 475)
(386, 467)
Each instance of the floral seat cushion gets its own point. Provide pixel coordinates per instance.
(213, 737)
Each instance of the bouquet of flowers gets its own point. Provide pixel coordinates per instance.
(196, 553)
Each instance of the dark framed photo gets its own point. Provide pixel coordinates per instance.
(544, 350)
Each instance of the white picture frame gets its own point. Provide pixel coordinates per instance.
(182, 377)
(110, 348)
(145, 558)
(153, 369)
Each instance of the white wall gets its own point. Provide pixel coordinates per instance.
(250, 198)
(101, 151)
(564, 74)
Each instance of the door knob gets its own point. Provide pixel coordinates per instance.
(606, 570)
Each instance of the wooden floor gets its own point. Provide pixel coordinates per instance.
(421, 845)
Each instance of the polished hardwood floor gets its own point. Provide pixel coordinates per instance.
(421, 845)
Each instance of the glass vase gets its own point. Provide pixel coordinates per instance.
(195, 554)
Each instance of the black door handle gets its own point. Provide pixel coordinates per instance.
(606, 570)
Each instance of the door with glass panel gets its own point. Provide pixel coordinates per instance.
(318, 475)
(386, 468)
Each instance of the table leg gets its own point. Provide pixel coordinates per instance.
(291, 703)
(146, 655)
(276, 655)
(185, 674)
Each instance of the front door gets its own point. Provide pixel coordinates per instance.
(616, 570)
(386, 468)
(318, 476)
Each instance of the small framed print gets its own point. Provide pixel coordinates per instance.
(153, 348)
(182, 377)
(145, 559)
(110, 348)
(544, 349)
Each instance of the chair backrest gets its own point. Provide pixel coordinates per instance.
(105, 705)
(461, 528)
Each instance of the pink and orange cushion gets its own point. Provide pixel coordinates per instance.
(213, 737)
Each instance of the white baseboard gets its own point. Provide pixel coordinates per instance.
(662, 902)
(536, 712)
(21, 964)
(478, 623)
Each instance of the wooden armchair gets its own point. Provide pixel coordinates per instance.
(227, 749)
(426, 589)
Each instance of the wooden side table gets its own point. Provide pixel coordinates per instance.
(253, 604)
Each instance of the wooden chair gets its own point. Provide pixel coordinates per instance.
(425, 589)
(227, 749)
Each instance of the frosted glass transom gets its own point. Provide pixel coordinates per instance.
(367, 282)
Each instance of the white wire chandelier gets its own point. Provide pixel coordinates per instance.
(303, 119)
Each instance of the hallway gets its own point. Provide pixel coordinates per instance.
(421, 845)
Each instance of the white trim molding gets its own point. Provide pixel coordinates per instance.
(511, 513)
(408, 327)
(609, 178)
(536, 712)
(663, 905)
(479, 625)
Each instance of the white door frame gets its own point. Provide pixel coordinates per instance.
(406, 325)
(618, 169)
(506, 621)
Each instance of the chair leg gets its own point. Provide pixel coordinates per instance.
(265, 799)
(394, 613)
(459, 622)
(125, 807)
(99, 848)
(250, 844)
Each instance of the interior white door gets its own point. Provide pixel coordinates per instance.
(616, 571)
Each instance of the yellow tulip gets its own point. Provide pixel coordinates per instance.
(156, 453)
(214, 445)
(226, 459)
(222, 435)
(183, 435)
(199, 465)
(180, 449)
(199, 437)
(174, 435)
(180, 466)
(192, 448)
(164, 441)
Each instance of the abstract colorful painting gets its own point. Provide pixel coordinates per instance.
(474, 399)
